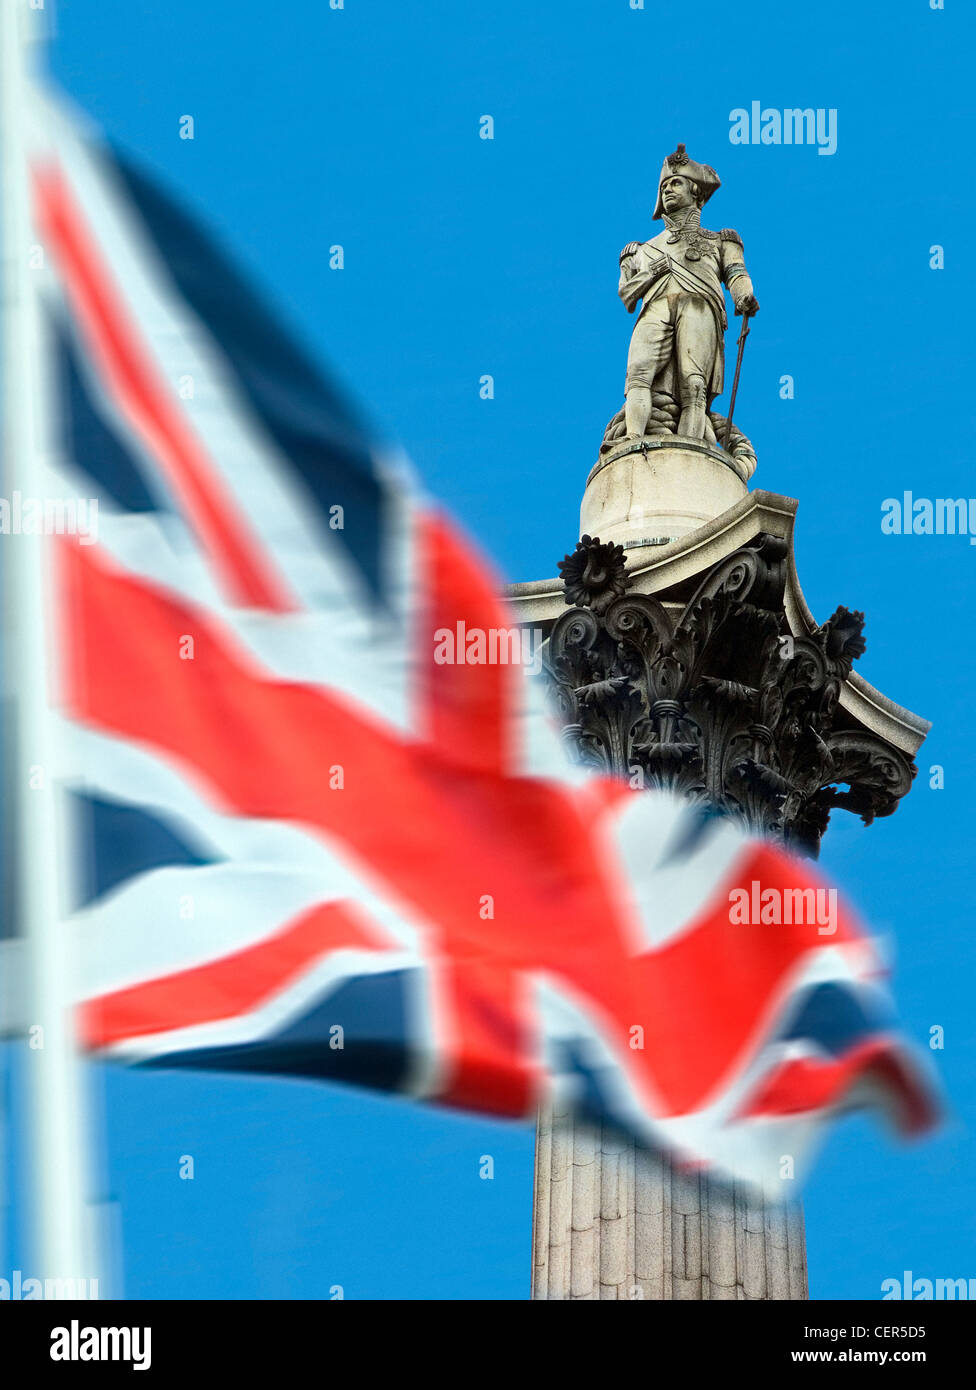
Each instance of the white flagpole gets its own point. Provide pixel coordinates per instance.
(59, 1151)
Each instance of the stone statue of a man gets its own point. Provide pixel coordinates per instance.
(677, 347)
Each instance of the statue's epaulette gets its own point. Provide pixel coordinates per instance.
(730, 234)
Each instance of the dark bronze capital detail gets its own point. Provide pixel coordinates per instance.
(724, 703)
(594, 574)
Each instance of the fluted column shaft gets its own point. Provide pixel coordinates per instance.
(612, 1220)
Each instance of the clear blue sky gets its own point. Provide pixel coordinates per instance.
(463, 257)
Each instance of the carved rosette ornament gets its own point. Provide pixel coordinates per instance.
(724, 704)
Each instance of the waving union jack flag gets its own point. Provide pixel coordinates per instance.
(308, 847)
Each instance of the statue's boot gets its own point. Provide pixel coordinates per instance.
(637, 411)
(693, 400)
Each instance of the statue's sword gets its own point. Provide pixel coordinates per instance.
(735, 383)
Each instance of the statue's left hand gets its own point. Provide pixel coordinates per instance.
(748, 304)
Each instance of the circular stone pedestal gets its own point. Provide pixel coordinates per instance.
(650, 491)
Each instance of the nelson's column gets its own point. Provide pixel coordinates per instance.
(682, 654)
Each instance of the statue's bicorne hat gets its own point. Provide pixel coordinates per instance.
(679, 163)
